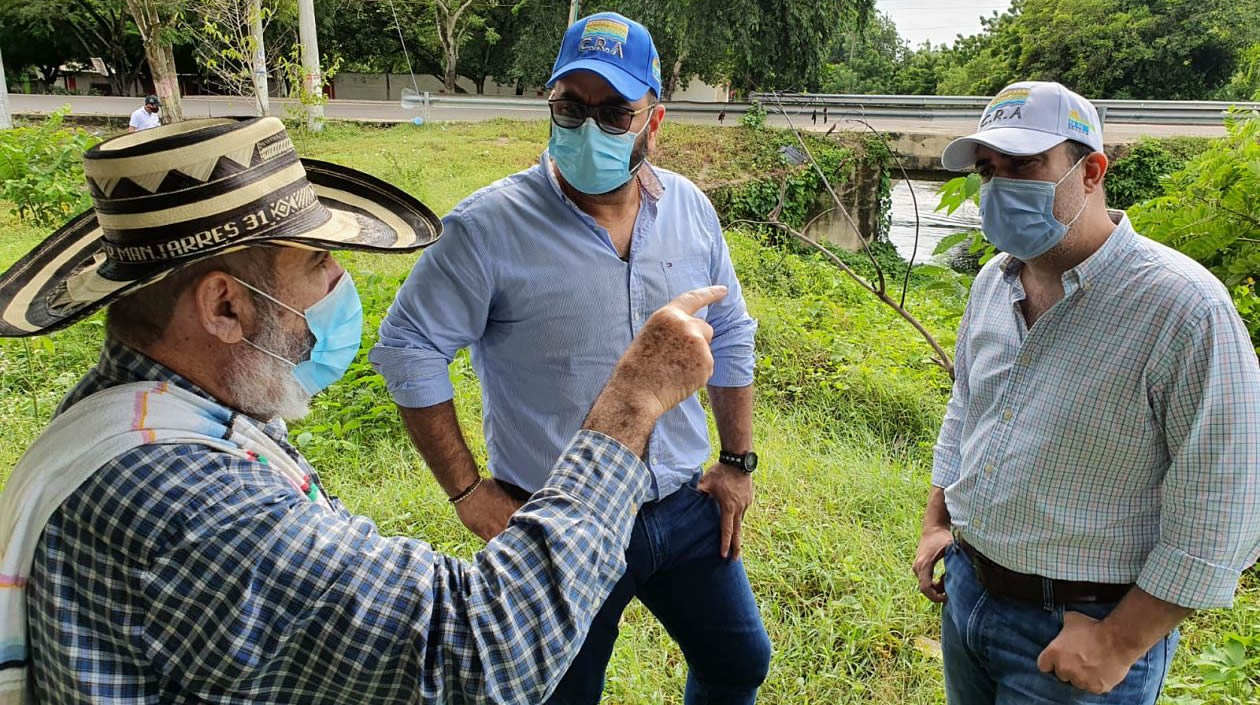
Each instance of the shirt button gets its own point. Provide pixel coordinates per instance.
(1007, 415)
(988, 469)
(1025, 359)
(978, 523)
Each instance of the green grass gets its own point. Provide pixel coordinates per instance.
(849, 407)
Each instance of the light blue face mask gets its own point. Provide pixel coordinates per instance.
(1018, 215)
(336, 321)
(591, 160)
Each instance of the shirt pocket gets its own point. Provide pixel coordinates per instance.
(685, 274)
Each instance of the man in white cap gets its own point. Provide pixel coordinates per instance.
(1097, 476)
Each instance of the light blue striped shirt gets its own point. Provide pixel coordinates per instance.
(534, 287)
(1118, 439)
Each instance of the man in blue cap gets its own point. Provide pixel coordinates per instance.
(547, 276)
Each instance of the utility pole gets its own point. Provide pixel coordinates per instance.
(575, 6)
(5, 122)
(313, 85)
(260, 57)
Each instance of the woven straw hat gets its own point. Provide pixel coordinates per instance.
(173, 195)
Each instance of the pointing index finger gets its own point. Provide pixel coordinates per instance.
(696, 299)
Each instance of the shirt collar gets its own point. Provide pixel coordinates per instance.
(119, 364)
(1089, 272)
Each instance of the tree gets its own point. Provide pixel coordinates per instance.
(783, 44)
(227, 46)
(866, 61)
(158, 22)
(35, 42)
(456, 20)
(1150, 49)
(98, 28)
(534, 51)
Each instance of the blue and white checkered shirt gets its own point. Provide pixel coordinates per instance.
(178, 574)
(1118, 439)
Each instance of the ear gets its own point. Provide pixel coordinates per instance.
(222, 307)
(1095, 169)
(654, 125)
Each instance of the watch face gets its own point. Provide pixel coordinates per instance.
(750, 462)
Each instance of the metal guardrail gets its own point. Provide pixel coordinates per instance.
(1126, 111)
(897, 106)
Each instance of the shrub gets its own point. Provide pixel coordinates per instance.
(1211, 211)
(41, 170)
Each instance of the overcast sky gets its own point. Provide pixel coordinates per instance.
(938, 21)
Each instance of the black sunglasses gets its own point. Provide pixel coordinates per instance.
(613, 119)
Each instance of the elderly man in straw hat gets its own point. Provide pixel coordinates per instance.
(162, 542)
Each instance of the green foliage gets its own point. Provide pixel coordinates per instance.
(1245, 83)
(866, 61)
(1172, 49)
(291, 68)
(1137, 176)
(784, 44)
(41, 170)
(1225, 674)
(809, 358)
(755, 117)
(1211, 209)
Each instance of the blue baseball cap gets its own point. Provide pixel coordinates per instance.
(615, 47)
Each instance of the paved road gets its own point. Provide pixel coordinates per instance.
(382, 111)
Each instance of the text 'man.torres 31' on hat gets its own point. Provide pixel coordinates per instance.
(615, 47)
(1028, 118)
(180, 193)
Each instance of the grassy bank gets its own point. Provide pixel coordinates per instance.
(849, 407)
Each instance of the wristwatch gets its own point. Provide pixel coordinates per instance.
(744, 461)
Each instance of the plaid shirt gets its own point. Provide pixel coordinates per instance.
(178, 574)
(1116, 441)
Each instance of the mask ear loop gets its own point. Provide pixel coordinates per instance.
(634, 169)
(1085, 202)
(278, 302)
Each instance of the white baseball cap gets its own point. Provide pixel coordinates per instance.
(1028, 118)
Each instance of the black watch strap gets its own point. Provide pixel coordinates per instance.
(744, 461)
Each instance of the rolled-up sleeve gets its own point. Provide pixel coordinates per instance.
(734, 330)
(1208, 395)
(441, 308)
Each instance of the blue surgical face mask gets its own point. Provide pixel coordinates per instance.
(336, 321)
(591, 160)
(1018, 215)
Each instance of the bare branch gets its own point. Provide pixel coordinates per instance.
(879, 271)
(941, 359)
(913, 198)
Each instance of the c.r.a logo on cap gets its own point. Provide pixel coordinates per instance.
(1008, 105)
(607, 36)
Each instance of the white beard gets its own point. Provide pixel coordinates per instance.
(263, 386)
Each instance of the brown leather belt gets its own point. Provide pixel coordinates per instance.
(1036, 590)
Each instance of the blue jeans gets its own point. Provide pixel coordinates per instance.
(991, 647)
(702, 600)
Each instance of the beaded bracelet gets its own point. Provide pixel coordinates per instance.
(468, 492)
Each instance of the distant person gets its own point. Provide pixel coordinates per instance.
(824, 115)
(813, 118)
(146, 116)
(548, 275)
(722, 116)
(1097, 475)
